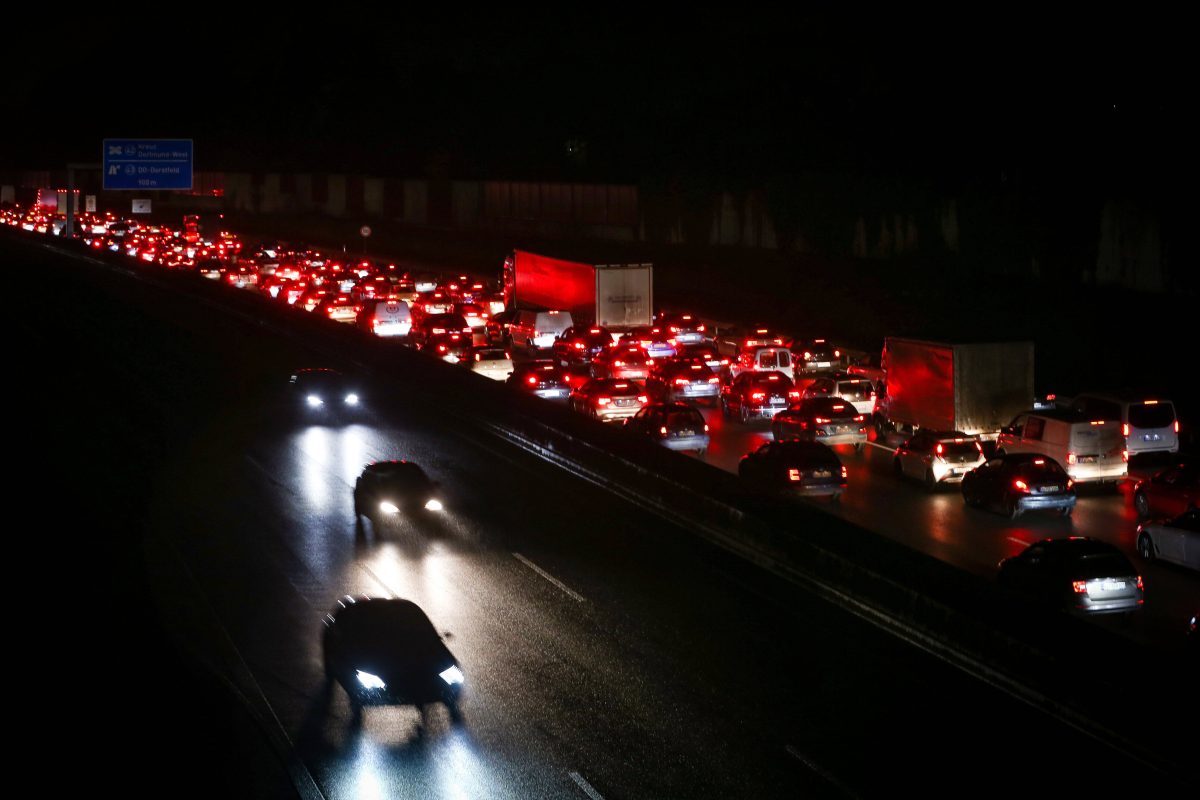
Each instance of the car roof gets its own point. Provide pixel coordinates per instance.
(1061, 414)
(395, 467)
(1077, 545)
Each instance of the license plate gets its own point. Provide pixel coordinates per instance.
(1051, 488)
(777, 402)
(1151, 437)
(822, 473)
(1113, 586)
(685, 433)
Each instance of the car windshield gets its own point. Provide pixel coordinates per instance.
(1158, 415)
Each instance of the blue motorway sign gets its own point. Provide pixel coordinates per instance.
(148, 164)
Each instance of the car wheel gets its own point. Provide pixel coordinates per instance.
(1141, 504)
(931, 483)
(1146, 547)
(1012, 508)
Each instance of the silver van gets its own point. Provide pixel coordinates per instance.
(385, 317)
(1148, 423)
(538, 329)
(1088, 449)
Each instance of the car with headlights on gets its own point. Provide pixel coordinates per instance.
(828, 420)
(1018, 482)
(386, 489)
(385, 651)
(676, 426)
(1076, 574)
(325, 392)
(1169, 492)
(490, 362)
(671, 381)
(937, 457)
(806, 469)
(608, 399)
(1176, 540)
(542, 378)
(757, 395)
(626, 362)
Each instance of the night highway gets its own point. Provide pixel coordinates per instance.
(608, 652)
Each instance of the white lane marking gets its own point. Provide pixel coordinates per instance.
(883, 447)
(819, 771)
(387, 590)
(588, 789)
(1021, 542)
(572, 594)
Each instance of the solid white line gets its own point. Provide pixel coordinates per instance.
(821, 773)
(573, 595)
(1018, 541)
(587, 787)
(882, 447)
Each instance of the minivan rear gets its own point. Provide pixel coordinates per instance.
(539, 328)
(1089, 449)
(1149, 425)
(385, 318)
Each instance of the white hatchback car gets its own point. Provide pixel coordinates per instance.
(490, 362)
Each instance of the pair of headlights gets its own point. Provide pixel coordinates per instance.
(315, 401)
(452, 675)
(433, 504)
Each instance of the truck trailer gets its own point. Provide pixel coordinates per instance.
(975, 388)
(617, 296)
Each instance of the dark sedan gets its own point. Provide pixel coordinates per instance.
(676, 426)
(1018, 482)
(385, 651)
(578, 345)
(543, 378)
(1076, 574)
(829, 420)
(670, 381)
(757, 395)
(387, 488)
(325, 392)
(801, 468)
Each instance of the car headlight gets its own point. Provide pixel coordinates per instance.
(433, 505)
(451, 675)
(351, 399)
(388, 508)
(314, 401)
(370, 681)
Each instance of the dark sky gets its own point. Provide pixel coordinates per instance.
(734, 100)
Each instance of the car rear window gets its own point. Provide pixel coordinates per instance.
(1159, 415)
(1102, 565)
(677, 420)
(854, 390)
(959, 448)
(492, 355)
(1048, 470)
(830, 407)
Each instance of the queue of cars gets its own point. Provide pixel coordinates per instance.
(651, 379)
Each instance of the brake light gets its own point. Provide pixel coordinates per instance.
(663, 430)
(807, 355)
(822, 420)
(531, 380)
(1072, 459)
(940, 449)
(1070, 483)
(706, 427)
(700, 328)
(477, 357)
(724, 362)
(649, 362)
(1177, 426)
(618, 363)
(758, 396)
(1039, 461)
(860, 418)
(837, 353)
(579, 345)
(714, 379)
(1020, 485)
(1125, 455)
(871, 396)
(1125, 429)
(1080, 587)
(643, 398)
(603, 401)
(441, 348)
(1141, 586)
(793, 474)
(682, 381)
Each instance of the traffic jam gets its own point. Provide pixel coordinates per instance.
(918, 422)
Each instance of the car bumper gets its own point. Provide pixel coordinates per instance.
(1087, 605)
(698, 390)
(763, 412)
(391, 330)
(1035, 502)
(1083, 473)
(842, 438)
(816, 489)
(685, 442)
(630, 374)
(552, 394)
(616, 414)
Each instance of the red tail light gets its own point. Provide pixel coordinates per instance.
(1177, 426)
(441, 348)
(845, 473)
(1072, 458)
(531, 380)
(643, 398)
(940, 449)
(649, 362)
(618, 363)
(793, 474)
(700, 328)
(1080, 587)
(477, 357)
(706, 427)
(724, 362)
(837, 353)
(793, 395)
(714, 379)
(579, 345)
(758, 396)
(860, 418)
(1141, 586)
(663, 430)
(1020, 485)
(1070, 483)
(1125, 455)
(603, 401)
(822, 420)
(682, 381)
(1125, 429)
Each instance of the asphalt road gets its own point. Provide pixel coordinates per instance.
(607, 652)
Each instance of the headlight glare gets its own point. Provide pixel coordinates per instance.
(351, 399)
(452, 675)
(370, 681)
(433, 505)
(388, 508)
(314, 401)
